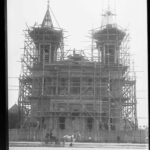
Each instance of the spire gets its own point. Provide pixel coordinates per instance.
(47, 21)
(48, 4)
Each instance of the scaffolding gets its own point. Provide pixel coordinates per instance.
(58, 84)
(124, 76)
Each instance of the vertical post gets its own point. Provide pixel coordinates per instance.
(57, 83)
(134, 135)
(94, 85)
(43, 73)
(49, 53)
(92, 48)
(100, 99)
(99, 53)
(81, 84)
(109, 101)
(69, 79)
(135, 104)
(140, 135)
(61, 49)
(104, 54)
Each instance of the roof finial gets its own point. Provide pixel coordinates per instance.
(108, 5)
(48, 4)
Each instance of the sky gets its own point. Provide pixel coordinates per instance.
(77, 18)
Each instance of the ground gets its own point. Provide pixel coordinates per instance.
(83, 146)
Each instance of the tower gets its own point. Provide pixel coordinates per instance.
(42, 48)
(47, 40)
(108, 39)
(114, 57)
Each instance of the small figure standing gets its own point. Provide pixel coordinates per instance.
(63, 142)
(118, 139)
(46, 138)
(71, 141)
(90, 139)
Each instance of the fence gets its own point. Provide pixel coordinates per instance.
(138, 136)
(26, 135)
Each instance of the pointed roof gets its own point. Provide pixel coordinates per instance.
(14, 108)
(47, 21)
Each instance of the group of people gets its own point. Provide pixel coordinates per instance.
(49, 137)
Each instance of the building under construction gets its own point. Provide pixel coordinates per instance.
(67, 92)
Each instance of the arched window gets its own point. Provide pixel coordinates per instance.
(45, 53)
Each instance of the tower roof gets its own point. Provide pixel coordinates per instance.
(47, 21)
(108, 18)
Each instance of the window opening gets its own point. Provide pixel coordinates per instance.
(110, 53)
(45, 50)
(75, 86)
(90, 123)
(62, 123)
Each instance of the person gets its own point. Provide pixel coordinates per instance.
(90, 139)
(71, 141)
(51, 134)
(78, 136)
(46, 137)
(118, 139)
(70, 144)
(63, 142)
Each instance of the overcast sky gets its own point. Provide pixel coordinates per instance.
(78, 17)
